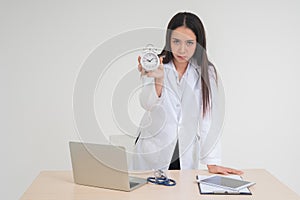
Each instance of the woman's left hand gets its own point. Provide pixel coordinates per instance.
(215, 169)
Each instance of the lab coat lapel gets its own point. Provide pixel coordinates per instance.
(194, 76)
(172, 80)
(190, 110)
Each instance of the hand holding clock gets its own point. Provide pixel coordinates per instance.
(157, 74)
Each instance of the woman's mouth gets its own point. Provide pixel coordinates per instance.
(182, 57)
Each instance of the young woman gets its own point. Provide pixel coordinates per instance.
(178, 99)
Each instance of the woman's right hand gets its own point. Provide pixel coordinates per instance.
(158, 73)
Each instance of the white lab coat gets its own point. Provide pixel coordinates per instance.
(176, 115)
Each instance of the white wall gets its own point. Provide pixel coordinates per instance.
(254, 44)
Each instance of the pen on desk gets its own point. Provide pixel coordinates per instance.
(225, 192)
(197, 179)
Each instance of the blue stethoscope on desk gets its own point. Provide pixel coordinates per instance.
(160, 178)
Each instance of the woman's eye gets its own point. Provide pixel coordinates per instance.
(176, 41)
(189, 43)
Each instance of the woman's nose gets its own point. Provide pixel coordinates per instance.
(182, 48)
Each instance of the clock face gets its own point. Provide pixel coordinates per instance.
(150, 61)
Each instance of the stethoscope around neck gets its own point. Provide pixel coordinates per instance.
(160, 178)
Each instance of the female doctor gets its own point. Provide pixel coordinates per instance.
(178, 98)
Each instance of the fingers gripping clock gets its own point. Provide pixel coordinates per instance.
(149, 59)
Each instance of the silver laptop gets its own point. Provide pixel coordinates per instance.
(102, 166)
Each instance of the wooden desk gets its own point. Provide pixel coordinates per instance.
(59, 185)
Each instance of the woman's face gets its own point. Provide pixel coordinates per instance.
(183, 44)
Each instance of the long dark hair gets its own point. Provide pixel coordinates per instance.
(192, 22)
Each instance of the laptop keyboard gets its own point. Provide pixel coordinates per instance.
(133, 184)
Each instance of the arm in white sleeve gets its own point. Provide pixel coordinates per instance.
(214, 156)
(211, 126)
(148, 96)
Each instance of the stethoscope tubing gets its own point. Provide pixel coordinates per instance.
(161, 181)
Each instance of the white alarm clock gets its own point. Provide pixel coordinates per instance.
(149, 59)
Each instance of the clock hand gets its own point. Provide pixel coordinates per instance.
(149, 60)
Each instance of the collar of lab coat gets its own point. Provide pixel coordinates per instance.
(193, 71)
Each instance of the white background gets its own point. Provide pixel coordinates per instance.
(254, 44)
